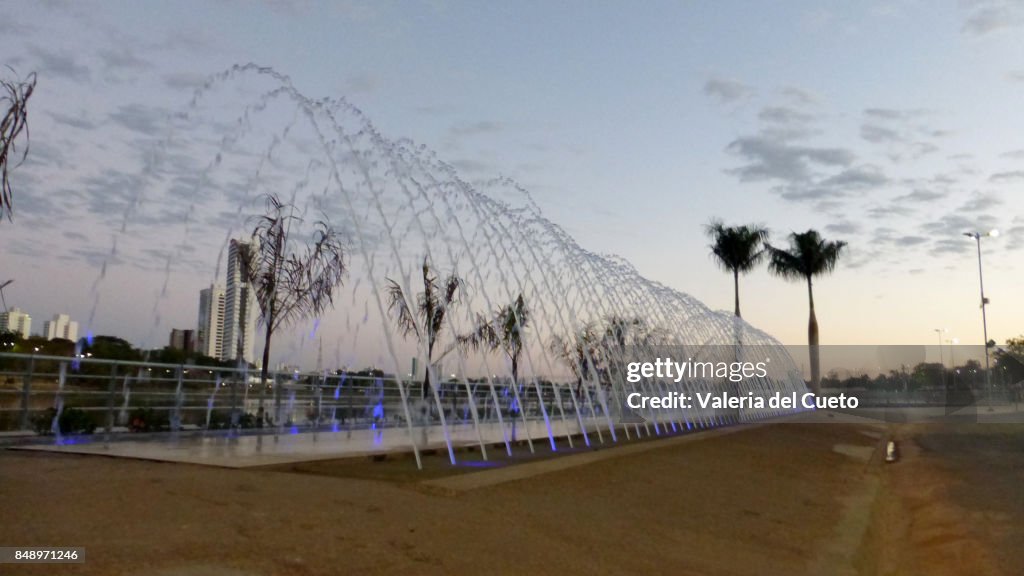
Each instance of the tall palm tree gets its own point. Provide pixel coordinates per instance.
(737, 249)
(809, 255)
(426, 318)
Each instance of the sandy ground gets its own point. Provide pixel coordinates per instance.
(954, 504)
(782, 499)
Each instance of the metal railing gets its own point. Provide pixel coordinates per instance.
(65, 397)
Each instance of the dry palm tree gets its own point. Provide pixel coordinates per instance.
(14, 95)
(580, 355)
(290, 284)
(737, 249)
(426, 318)
(504, 332)
(809, 255)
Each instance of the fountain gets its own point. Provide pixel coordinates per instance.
(401, 208)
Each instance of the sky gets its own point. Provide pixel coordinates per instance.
(893, 126)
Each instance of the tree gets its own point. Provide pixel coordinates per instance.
(809, 255)
(504, 332)
(581, 354)
(426, 318)
(291, 282)
(737, 249)
(14, 95)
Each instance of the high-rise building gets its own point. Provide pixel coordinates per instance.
(239, 306)
(15, 320)
(210, 329)
(61, 326)
(182, 340)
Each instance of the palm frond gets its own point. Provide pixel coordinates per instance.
(397, 304)
(14, 96)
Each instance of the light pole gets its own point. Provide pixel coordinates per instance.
(984, 301)
(942, 363)
(952, 358)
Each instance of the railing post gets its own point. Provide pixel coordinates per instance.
(234, 417)
(26, 393)
(110, 404)
(176, 419)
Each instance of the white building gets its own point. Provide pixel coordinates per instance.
(15, 320)
(62, 326)
(210, 329)
(240, 310)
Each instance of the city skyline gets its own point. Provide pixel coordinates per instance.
(670, 126)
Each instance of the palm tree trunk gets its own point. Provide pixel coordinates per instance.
(736, 283)
(812, 341)
(264, 370)
(426, 372)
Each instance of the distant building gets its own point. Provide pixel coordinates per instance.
(210, 329)
(15, 320)
(240, 308)
(183, 340)
(62, 326)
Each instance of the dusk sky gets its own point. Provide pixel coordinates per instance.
(895, 126)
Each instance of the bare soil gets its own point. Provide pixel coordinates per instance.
(778, 499)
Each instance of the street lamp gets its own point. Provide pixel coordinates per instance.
(984, 301)
(952, 358)
(942, 373)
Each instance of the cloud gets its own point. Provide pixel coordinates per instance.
(184, 80)
(955, 224)
(981, 201)
(727, 91)
(768, 159)
(59, 64)
(1017, 154)
(922, 196)
(987, 16)
(139, 118)
(1011, 176)
(908, 241)
(799, 95)
(362, 83)
(857, 178)
(844, 227)
(879, 134)
(474, 128)
(79, 121)
(123, 59)
(470, 166)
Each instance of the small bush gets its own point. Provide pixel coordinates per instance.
(148, 420)
(72, 421)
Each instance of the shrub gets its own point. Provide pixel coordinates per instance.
(72, 421)
(148, 420)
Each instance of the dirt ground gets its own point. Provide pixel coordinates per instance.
(781, 499)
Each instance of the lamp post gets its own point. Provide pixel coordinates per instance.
(984, 301)
(952, 358)
(942, 363)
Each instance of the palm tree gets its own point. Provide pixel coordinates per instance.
(809, 255)
(289, 285)
(14, 95)
(426, 318)
(737, 249)
(504, 332)
(581, 354)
